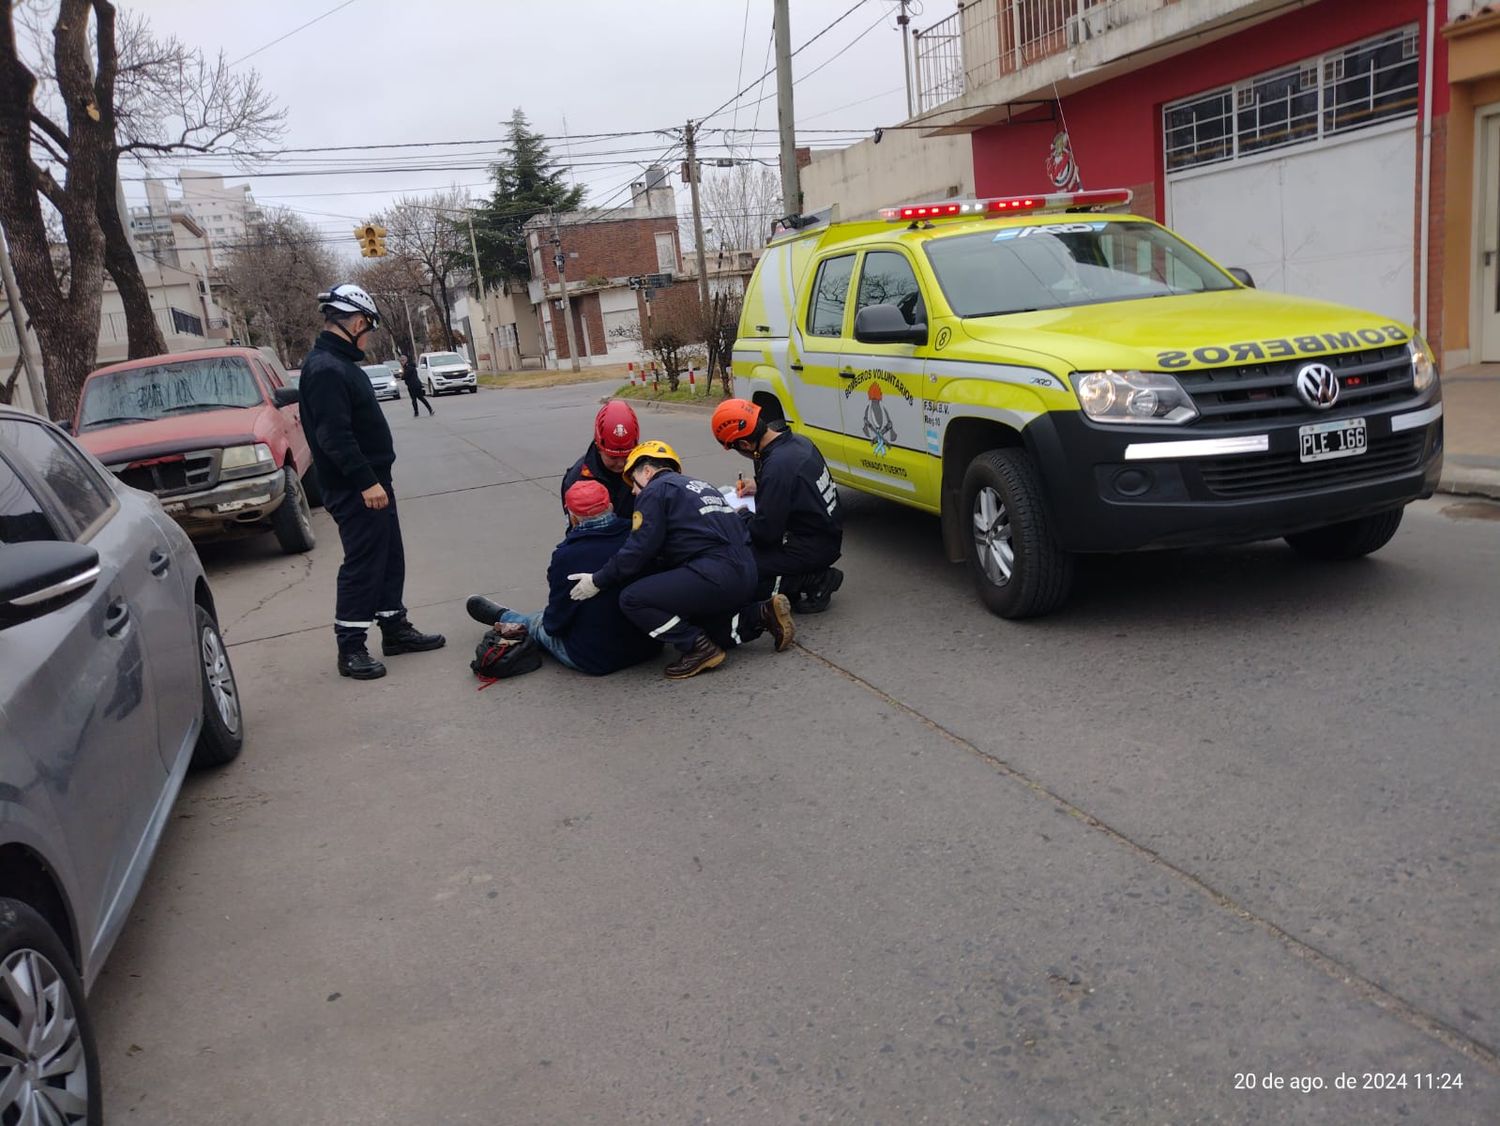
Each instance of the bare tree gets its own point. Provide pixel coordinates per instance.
(740, 203)
(397, 284)
(167, 98)
(272, 281)
(675, 335)
(425, 231)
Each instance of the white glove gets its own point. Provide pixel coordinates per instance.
(584, 588)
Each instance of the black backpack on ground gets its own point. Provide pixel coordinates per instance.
(498, 658)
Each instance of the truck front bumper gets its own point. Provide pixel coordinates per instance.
(229, 508)
(1113, 488)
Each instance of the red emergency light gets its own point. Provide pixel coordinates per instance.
(1006, 205)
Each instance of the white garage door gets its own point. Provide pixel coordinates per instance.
(1334, 221)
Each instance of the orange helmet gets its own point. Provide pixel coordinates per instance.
(733, 420)
(616, 429)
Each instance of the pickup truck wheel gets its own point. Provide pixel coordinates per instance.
(49, 1071)
(1019, 570)
(223, 731)
(313, 487)
(1350, 540)
(292, 522)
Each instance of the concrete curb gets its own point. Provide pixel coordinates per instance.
(1470, 481)
(680, 408)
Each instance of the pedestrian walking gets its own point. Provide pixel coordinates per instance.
(414, 386)
(352, 449)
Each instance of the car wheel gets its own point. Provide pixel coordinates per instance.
(312, 487)
(223, 732)
(292, 522)
(49, 1065)
(1350, 540)
(1018, 568)
(473, 390)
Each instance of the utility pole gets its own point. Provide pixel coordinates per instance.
(29, 358)
(690, 137)
(484, 311)
(560, 259)
(411, 333)
(791, 188)
(903, 21)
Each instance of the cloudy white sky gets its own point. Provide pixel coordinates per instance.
(398, 72)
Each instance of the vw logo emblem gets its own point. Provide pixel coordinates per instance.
(1318, 386)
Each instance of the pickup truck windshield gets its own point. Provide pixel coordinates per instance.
(1051, 265)
(446, 359)
(182, 386)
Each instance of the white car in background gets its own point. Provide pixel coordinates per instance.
(384, 383)
(445, 371)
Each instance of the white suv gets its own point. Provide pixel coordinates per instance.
(445, 371)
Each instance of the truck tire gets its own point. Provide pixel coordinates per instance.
(292, 521)
(1019, 570)
(1352, 539)
(313, 487)
(223, 731)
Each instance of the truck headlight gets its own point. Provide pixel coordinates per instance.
(1133, 396)
(1423, 370)
(246, 461)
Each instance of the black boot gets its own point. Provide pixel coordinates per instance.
(397, 635)
(704, 655)
(355, 661)
(819, 591)
(485, 612)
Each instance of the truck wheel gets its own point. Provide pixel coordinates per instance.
(292, 522)
(223, 731)
(1019, 570)
(313, 487)
(1349, 540)
(49, 1071)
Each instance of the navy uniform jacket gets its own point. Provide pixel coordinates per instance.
(590, 468)
(678, 519)
(796, 501)
(350, 439)
(599, 639)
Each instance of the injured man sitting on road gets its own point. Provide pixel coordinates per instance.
(592, 636)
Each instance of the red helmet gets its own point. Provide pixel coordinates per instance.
(616, 429)
(733, 420)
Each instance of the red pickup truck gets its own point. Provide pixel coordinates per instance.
(216, 435)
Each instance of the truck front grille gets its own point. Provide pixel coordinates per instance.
(1254, 392)
(186, 474)
(1264, 475)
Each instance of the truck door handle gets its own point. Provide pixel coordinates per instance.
(116, 618)
(159, 562)
(795, 367)
(848, 373)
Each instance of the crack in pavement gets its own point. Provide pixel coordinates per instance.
(1362, 986)
(307, 561)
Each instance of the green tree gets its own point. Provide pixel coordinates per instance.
(526, 183)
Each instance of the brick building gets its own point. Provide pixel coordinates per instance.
(603, 249)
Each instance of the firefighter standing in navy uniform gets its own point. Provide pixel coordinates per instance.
(797, 529)
(703, 570)
(352, 449)
(616, 433)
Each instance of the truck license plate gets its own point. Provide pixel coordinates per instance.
(1324, 441)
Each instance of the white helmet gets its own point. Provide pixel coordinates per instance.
(347, 297)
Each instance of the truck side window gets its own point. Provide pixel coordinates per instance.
(830, 295)
(888, 279)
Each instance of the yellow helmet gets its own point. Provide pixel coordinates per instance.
(655, 448)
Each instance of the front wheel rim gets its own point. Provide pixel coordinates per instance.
(43, 1066)
(220, 676)
(993, 546)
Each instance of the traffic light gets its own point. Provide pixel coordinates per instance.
(371, 238)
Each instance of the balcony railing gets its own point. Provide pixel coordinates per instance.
(987, 39)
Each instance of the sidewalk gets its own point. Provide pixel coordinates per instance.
(1471, 431)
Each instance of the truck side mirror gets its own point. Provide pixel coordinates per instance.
(285, 396)
(1242, 275)
(884, 324)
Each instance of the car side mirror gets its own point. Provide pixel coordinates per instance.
(285, 396)
(884, 324)
(37, 578)
(1242, 275)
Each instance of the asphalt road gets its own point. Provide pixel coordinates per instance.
(1229, 813)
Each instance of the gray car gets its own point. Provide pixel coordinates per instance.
(114, 679)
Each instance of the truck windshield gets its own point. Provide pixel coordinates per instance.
(147, 393)
(446, 359)
(1051, 265)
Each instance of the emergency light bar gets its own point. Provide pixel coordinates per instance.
(1005, 205)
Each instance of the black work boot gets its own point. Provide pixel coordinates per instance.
(704, 655)
(819, 591)
(355, 661)
(485, 612)
(397, 635)
(776, 618)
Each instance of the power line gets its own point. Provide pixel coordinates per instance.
(288, 35)
(803, 78)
